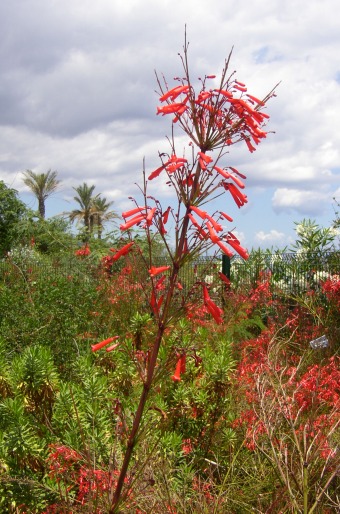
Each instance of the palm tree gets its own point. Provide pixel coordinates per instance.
(85, 200)
(42, 186)
(100, 213)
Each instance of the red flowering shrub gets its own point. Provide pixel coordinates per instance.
(291, 414)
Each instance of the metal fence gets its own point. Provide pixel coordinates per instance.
(291, 272)
(288, 272)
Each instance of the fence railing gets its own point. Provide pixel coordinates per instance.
(290, 272)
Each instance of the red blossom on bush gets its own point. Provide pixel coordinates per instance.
(84, 251)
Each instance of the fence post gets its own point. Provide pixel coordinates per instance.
(226, 266)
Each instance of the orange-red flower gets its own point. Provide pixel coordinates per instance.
(180, 368)
(224, 249)
(174, 93)
(122, 251)
(133, 221)
(239, 198)
(136, 210)
(235, 243)
(204, 160)
(176, 108)
(156, 271)
(100, 345)
(212, 308)
(199, 212)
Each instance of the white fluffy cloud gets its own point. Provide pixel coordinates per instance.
(304, 202)
(272, 237)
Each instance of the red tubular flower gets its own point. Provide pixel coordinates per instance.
(237, 172)
(150, 216)
(162, 229)
(224, 249)
(157, 172)
(180, 368)
(160, 283)
(224, 93)
(250, 146)
(204, 95)
(194, 222)
(205, 293)
(177, 108)
(237, 181)
(174, 93)
(172, 167)
(136, 210)
(240, 88)
(179, 113)
(224, 278)
(100, 345)
(83, 252)
(222, 172)
(226, 216)
(215, 311)
(212, 234)
(159, 302)
(132, 222)
(199, 212)
(165, 215)
(214, 223)
(212, 308)
(122, 251)
(156, 271)
(176, 159)
(239, 198)
(176, 377)
(234, 243)
(204, 160)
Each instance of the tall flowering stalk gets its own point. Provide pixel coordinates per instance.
(214, 118)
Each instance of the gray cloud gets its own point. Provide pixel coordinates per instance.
(77, 88)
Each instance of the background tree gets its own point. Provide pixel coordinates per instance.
(11, 211)
(42, 186)
(50, 236)
(85, 200)
(100, 214)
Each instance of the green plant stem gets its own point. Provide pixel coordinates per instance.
(305, 488)
(144, 396)
(162, 324)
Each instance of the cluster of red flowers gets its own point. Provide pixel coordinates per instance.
(84, 251)
(67, 466)
(331, 288)
(221, 116)
(212, 118)
(310, 396)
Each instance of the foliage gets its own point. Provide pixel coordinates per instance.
(93, 211)
(42, 186)
(11, 212)
(49, 236)
(313, 240)
(202, 447)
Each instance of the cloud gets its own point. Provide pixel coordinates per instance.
(305, 202)
(78, 90)
(274, 236)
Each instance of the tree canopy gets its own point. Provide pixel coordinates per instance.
(42, 186)
(11, 212)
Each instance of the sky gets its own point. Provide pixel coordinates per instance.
(78, 95)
